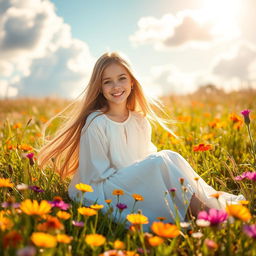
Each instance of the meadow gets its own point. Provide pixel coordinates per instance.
(38, 218)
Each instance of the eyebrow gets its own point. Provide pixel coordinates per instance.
(109, 77)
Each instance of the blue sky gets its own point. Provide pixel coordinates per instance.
(49, 47)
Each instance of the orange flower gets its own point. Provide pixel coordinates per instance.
(118, 192)
(202, 147)
(63, 215)
(25, 147)
(155, 240)
(51, 223)
(63, 238)
(216, 195)
(161, 218)
(244, 202)
(11, 239)
(95, 239)
(119, 245)
(34, 208)
(41, 239)
(137, 218)
(165, 229)
(17, 125)
(239, 211)
(96, 206)
(5, 183)
(5, 223)
(86, 211)
(137, 197)
(84, 187)
(108, 201)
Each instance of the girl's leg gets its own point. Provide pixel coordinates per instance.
(195, 206)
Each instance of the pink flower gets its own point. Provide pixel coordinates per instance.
(246, 113)
(250, 230)
(247, 175)
(214, 216)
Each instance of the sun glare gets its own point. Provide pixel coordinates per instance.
(224, 16)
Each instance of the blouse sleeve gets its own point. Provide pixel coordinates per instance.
(151, 148)
(94, 164)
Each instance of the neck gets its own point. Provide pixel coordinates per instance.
(120, 110)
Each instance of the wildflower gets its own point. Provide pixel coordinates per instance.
(243, 202)
(211, 244)
(27, 251)
(30, 156)
(121, 206)
(245, 114)
(184, 224)
(239, 211)
(5, 223)
(250, 230)
(25, 147)
(51, 223)
(165, 229)
(119, 245)
(118, 192)
(155, 240)
(196, 178)
(84, 187)
(247, 175)
(203, 223)
(10, 204)
(96, 206)
(59, 204)
(12, 239)
(63, 215)
(5, 183)
(113, 253)
(34, 208)
(108, 201)
(78, 223)
(197, 235)
(22, 186)
(137, 197)
(41, 239)
(181, 181)
(17, 125)
(214, 216)
(86, 211)
(95, 239)
(202, 147)
(137, 218)
(36, 189)
(63, 238)
(172, 191)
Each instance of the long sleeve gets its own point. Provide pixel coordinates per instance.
(94, 164)
(151, 148)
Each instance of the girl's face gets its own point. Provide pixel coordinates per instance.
(116, 84)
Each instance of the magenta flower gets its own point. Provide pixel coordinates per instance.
(78, 223)
(121, 206)
(59, 204)
(172, 191)
(247, 175)
(36, 189)
(214, 216)
(30, 156)
(250, 230)
(246, 113)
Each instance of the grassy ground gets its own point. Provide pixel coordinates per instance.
(211, 119)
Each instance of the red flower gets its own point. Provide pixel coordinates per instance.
(202, 147)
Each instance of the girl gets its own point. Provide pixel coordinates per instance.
(107, 143)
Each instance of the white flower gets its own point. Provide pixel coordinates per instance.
(203, 223)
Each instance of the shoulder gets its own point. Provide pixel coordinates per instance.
(94, 120)
(141, 119)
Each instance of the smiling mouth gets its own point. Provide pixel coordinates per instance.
(118, 94)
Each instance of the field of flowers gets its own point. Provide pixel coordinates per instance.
(217, 137)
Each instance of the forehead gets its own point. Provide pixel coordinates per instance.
(114, 70)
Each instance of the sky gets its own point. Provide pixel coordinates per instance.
(49, 47)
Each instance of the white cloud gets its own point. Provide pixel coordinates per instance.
(7, 91)
(38, 46)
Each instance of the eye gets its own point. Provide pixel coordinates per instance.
(106, 82)
(122, 78)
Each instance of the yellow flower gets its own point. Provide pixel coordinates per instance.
(63, 215)
(118, 192)
(5, 223)
(84, 187)
(41, 239)
(136, 218)
(34, 208)
(5, 183)
(51, 223)
(17, 125)
(25, 147)
(244, 202)
(239, 211)
(96, 206)
(95, 239)
(196, 178)
(108, 201)
(155, 240)
(63, 238)
(137, 197)
(165, 229)
(87, 211)
(119, 245)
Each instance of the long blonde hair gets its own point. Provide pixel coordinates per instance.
(62, 152)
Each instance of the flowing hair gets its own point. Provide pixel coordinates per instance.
(62, 152)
